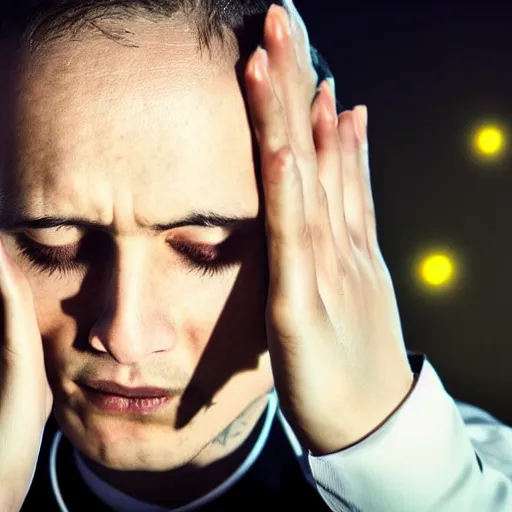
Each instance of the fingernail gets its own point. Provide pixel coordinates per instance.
(361, 122)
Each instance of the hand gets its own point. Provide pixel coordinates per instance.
(334, 336)
(25, 396)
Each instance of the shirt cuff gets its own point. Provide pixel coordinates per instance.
(415, 456)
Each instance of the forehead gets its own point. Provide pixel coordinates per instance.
(154, 122)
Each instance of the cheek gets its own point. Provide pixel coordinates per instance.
(197, 332)
(230, 358)
(60, 356)
(57, 329)
(232, 311)
(233, 304)
(225, 331)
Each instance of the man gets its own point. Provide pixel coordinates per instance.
(196, 233)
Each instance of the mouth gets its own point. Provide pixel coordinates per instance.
(110, 396)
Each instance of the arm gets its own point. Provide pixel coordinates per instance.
(432, 454)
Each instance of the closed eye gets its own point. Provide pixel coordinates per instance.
(66, 259)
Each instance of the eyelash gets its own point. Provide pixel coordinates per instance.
(200, 259)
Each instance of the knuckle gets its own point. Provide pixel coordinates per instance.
(282, 164)
(284, 158)
(358, 237)
(288, 313)
(316, 308)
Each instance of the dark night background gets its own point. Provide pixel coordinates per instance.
(428, 74)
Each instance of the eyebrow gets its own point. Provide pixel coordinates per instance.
(194, 218)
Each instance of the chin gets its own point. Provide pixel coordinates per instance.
(126, 444)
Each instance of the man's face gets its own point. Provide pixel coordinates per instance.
(128, 137)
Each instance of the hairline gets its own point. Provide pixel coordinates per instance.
(49, 27)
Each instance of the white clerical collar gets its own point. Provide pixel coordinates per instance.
(121, 502)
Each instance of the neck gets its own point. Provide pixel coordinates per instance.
(212, 466)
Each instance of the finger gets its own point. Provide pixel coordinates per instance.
(24, 404)
(327, 144)
(295, 82)
(353, 199)
(333, 251)
(293, 75)
(300, 33)
(291, 263)
(365, 180)
(266, 110)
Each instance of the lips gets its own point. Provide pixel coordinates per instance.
(112, 388)
(114, 398)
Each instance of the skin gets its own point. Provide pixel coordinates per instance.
(124, 137)
(331, 323)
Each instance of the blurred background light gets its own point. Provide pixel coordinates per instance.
(437, 269)
(489, 140)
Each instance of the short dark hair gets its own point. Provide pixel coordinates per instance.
(38, 21)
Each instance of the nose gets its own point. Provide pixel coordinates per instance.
(132, 324)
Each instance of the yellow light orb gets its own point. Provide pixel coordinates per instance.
(437, 269)
(489, 140)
